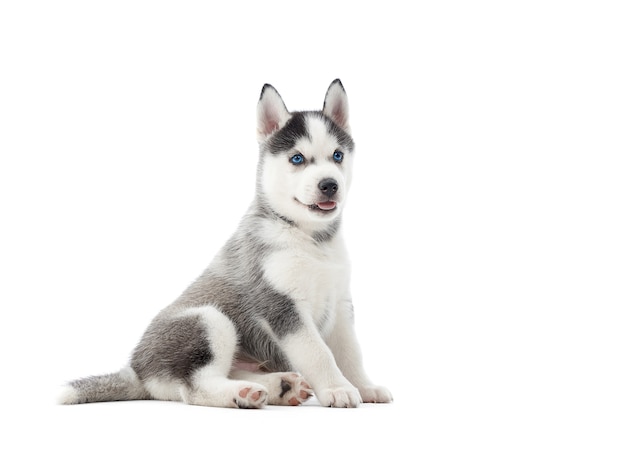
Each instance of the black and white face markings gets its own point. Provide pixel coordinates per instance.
(304, 172)
(285, 139)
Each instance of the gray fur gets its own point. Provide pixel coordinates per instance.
(120, 386)
(175, 347)
(328, 234)
(172, 348)
(239, 290)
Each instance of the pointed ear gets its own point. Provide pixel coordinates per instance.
(336, 105)
(271, 113)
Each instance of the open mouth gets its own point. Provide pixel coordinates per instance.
(326, 206)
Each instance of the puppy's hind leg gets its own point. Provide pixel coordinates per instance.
(210, 385)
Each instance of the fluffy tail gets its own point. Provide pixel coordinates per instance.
(121, 386)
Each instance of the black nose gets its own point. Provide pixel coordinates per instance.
(328, 186)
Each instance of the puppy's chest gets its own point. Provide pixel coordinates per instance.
(316, 278)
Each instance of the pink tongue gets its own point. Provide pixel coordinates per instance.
(327, 205)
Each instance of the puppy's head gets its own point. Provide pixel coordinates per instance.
(306, 157)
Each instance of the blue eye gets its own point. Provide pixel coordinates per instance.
(338, 156)
(297, 159)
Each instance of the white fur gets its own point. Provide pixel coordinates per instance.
(67, 395)
(163, 390)
(316, 277)
(223, 337)
(308, 352)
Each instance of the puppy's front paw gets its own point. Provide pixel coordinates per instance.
(346, 396)
(377, 394)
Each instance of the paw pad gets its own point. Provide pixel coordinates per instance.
(294, 390)
(251, 398)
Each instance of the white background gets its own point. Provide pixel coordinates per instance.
(486, 225)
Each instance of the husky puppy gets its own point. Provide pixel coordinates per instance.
(270, 321)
